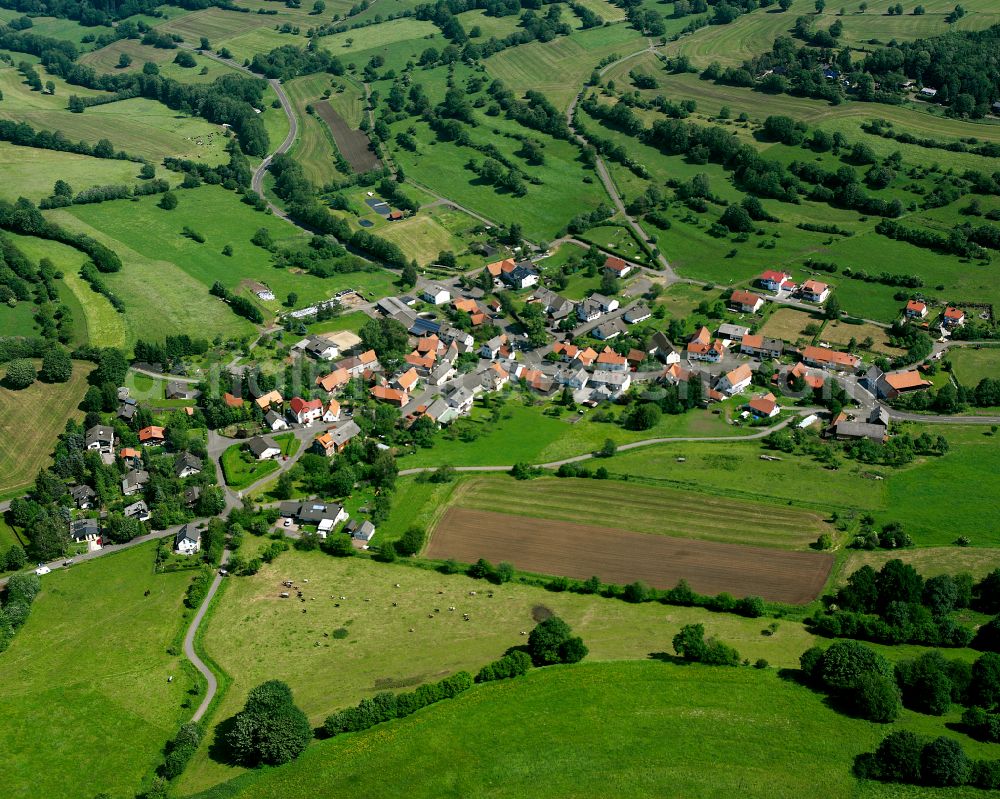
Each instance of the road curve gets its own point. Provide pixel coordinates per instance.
(192, 655)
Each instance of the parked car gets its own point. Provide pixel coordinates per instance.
(42, 569)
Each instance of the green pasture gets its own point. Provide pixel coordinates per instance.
(559, 68)
(525, 433)
(140, 127)
(30, 172)
(314, 147)
(937, 499)
(254, 635)
(155, 237)
(97, 322)
(31, 419)
(970, 365)
(91, 665)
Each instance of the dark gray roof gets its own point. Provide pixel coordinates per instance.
(99, 433)
(258, 444)
(81, 528)
(187, 531)
(185, 460)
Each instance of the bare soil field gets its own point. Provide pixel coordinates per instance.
(353, 144)
(622, 556)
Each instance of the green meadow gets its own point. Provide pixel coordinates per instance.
(91, 666)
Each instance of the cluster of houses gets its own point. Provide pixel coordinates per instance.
(325, 516)
(101, 438)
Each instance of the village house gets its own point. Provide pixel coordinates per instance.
(137, 510)
(436, 294)
(179, 390)
(617, 266)
(133, 481)
(814, 291)
(757, 346)
(609, 330)
(363, 531)
(390, 396)
(232, 401)
(151, 436)
(332, 411)
(745, 301)
(322, 349)
(465, 305)
(187, 540)
(83, 496)
(262, 448)
(131, 458)
(891, 384)
(186, 465)
(915, 309)
(775, 281)
(275, 421)
(127, 409)
(100, 438)
(337, 379)
(267, 399)
(304, 411)
(565, 351)
(359, 364)
(335, 439)
(810, 379)
(423, 362)
(701, 347)
(731, 332)
(495, 377)
(616, 383)
(491, 349)
(555, 306)
(829, 359)
(637, 313)
(953, 317)
(407, 381)
(441, 374)
(522, 276)
(663, 349)
(86, 530)
(589, 310)
(735, 381)
(461, 399)
(497, 268)
(575, 378)
(874, 428)
(611, 361)
(191, 496)
(763, 406)
(586, 357)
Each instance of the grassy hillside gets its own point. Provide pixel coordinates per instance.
(86, 698)
(613, 729)
(30, 420)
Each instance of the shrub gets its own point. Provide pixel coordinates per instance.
(513, 664)
(552, 641)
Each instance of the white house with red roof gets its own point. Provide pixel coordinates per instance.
(953, 317)
(772, 280)
(746, 301)
(735, 381)
(305, 411)
(617, 266)
(915, 309)
(814, 291)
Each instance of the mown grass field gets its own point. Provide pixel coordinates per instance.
(140, 127)
(754, 33)
(628, 729)
(30, 420)
(254, 635)
(970, 365)
(98, 323)
(156, 254)
(937, 499)
(560, 68)
(645, 509)
(29, 172)
(314, 147)
(91, 665)
(525, 434)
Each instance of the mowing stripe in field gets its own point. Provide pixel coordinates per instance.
(664, 511)
(105, 326)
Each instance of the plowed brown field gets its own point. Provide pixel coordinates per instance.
(353, 144)
(621, 556)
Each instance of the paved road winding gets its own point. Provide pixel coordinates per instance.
(212, 684)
